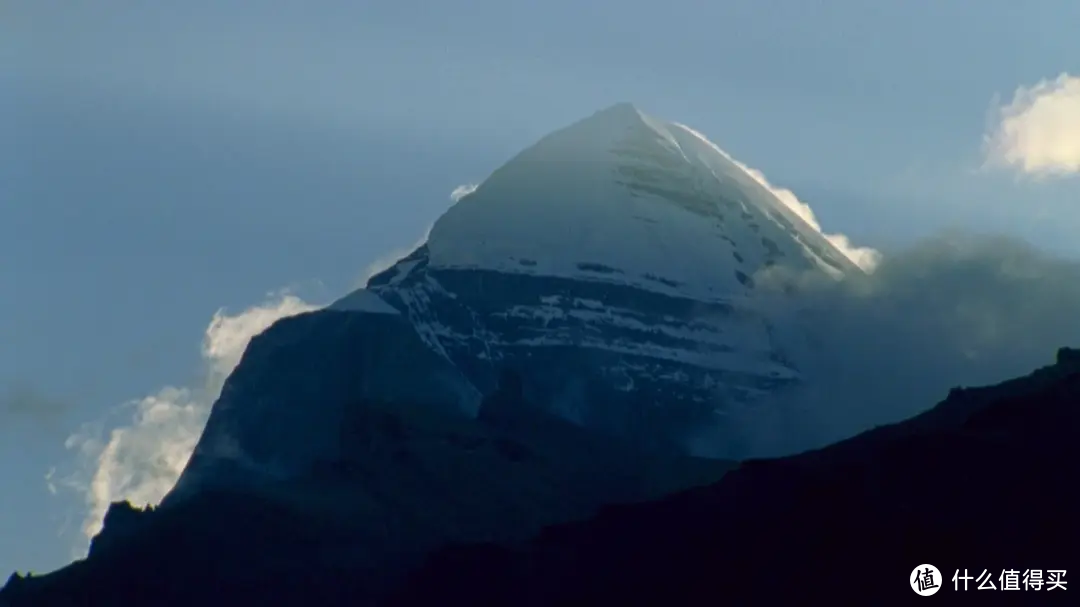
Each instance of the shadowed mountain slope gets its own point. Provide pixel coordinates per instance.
(984, 481)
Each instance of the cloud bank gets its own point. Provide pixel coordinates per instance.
(864, 257)
(1038, 133)
(954, 310)
(140, 457)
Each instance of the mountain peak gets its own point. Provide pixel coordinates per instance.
(590, 139)
(616, 261)
(622, 112)
(647, 203)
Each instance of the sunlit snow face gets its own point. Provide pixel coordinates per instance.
(623, 198)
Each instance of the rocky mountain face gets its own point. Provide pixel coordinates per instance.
(612, 264)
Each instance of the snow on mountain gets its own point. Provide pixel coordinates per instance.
(623, 197)
(613, 263)
(611, 266)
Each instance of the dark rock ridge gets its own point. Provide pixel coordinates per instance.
(983, 481)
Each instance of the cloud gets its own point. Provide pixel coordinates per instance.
(1038, 133)
(140, 456)
(954, 310)
(864, 257)
(463, 190)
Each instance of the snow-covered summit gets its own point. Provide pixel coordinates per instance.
(624, 197)
(611, 266)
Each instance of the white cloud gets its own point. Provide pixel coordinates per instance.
(1038, 133)
(140, 458)
(864, 257)
(463, 190)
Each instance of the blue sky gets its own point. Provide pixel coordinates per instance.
(160, 161)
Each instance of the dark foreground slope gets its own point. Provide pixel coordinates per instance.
(985, 480)
(346, 533)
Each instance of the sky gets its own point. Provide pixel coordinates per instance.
(174, 176)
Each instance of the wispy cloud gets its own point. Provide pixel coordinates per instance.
(864, 257)
(463, 190)
(1038, 132)
(139, 452)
